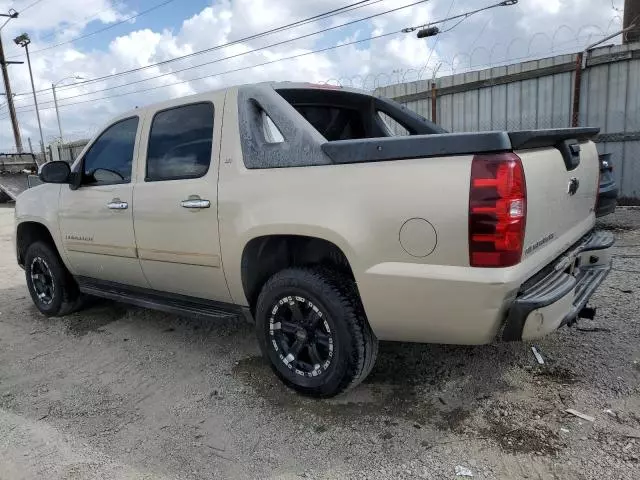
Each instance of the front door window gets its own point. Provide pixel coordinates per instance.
(108, 161)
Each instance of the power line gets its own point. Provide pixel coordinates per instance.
(100, 30)
(453, 2)
(433, 49)
(82, 23)
(464, 16)
(96, 15)
(30, 5)
(346, 8)
(451, 28)
(484, 27)
(221, 73)
(173, 72)
(254, 66)
(28, 108)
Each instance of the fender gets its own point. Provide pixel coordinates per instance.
(40, 205)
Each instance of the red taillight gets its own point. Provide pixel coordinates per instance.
(497, 210)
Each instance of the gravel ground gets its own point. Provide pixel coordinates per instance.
(119, 392)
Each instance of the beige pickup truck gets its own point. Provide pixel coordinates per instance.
(330, 217)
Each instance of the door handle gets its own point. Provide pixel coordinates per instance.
(195, 203)
(117, 204)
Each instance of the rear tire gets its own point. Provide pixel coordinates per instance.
(311, 328)
(53, 289)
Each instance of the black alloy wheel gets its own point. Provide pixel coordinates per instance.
(42, 280)
(301, 336)
(312, 330)
(53, 289)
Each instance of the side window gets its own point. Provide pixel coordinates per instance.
(393, 126)
(180, 143)
(109, 159)
(271, 132)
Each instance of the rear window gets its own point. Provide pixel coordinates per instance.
(334, 123)
(339, 114)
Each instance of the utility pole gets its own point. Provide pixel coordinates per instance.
(24, 41)
(7, 85)
(55, 102)
(631, 16)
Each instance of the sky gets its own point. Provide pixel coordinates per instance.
(92, 39)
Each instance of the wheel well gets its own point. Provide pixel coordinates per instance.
(264, 256)
(29, 232)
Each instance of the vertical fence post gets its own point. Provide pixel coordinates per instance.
(576, 91)
(434, 102)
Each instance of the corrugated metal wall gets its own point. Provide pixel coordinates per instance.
(539, 94)
(67, 152)
(611, 101)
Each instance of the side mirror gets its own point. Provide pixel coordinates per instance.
(55, 172)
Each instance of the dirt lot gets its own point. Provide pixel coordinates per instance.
(120, 392)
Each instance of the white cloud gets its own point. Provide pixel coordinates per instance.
(546, 6)
(69, 15)
(489, 37)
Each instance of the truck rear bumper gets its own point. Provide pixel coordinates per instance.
(460, 305)
(559, 295)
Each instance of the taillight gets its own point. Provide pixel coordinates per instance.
(497, 210)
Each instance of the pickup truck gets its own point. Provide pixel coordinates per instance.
(296, 206)
(608, 192)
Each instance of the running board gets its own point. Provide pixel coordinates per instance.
(162, 301)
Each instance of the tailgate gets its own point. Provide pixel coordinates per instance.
(562, 186)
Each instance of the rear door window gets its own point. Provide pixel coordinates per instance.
(180, 143)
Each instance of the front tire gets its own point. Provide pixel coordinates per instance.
(311, 328)
(53, 289)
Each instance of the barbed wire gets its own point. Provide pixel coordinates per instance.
(580, 38)
(465, 61)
